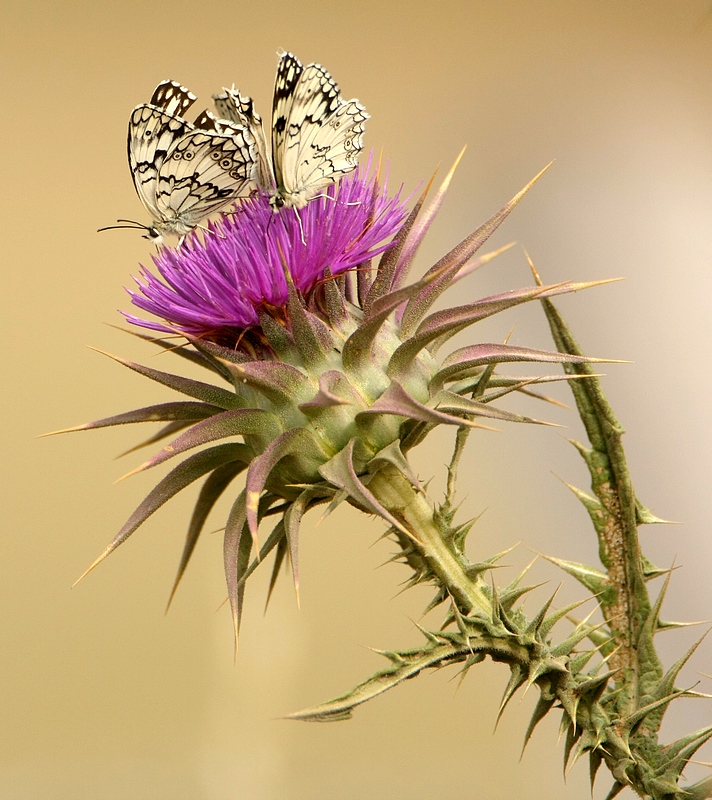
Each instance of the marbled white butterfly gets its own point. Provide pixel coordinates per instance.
(316, 136)
(183, 171)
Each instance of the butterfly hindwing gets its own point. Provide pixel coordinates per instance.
(204, 171)
(233, 106)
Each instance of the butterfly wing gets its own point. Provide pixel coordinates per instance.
(172, 98)
(203, 171)
(231, 105)
(316, 136)
(152, 133)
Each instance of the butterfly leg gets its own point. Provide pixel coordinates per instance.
(334, 200)
(301, 227)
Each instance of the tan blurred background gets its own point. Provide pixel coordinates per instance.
(105, 697)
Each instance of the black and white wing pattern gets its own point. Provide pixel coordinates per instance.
(240, 110)
(316, 136)
(183, 171)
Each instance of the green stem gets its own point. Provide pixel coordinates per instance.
(411, 507)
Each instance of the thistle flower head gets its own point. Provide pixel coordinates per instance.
(324, 382)
(215, 287)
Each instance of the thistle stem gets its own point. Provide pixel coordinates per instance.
(411, 507)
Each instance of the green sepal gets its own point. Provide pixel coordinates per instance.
(206, 392)
(340, 472)
(213, 487)
(450, 264)
(296, 442)
(183, 475)
(240, 422)
(162, 412)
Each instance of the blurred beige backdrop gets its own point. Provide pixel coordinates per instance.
(105, 697)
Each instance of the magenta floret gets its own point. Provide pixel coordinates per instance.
(219, 280)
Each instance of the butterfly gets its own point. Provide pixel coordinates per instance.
(184, 171)
(316, 136)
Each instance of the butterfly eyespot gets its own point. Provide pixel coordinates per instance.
(235, 173)
(215, 155)
(226, 163)
(188, 155)
(148, 134)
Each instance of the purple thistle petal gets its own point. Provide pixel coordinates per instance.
(219, 281)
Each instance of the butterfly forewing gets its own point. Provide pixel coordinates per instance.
(316, 136)
(172, 98)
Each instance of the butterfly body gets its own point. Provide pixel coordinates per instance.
(184, 171)
(316, 137)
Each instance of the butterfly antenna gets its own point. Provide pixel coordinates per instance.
(129, 223)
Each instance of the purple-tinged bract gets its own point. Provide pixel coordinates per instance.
(214, 286)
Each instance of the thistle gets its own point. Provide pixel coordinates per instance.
(330, 366)
(326, 382)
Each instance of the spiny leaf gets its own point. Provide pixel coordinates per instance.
(517, 679)
(595, 758)
(678, 753)
(667, 683)
(406, 666)
(616, 789)
(542, 708)
(702, 790)
(593, 579)
(533, 628)
(548, 623)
